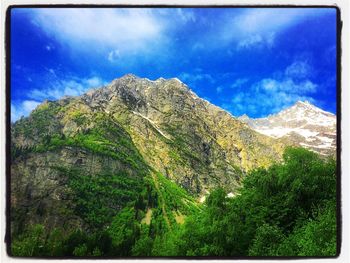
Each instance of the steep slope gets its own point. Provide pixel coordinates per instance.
(78, 161)
(71, 177)
(191, 141)
(302, 124)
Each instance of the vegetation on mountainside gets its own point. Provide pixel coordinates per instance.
(288, 209)
(105, 137)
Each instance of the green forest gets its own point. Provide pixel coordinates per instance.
(288, 209)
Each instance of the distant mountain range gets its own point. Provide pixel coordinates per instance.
(302, 124)
(137, 139)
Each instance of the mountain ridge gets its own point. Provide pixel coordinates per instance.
(303, 123)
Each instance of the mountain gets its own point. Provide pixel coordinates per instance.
(302, 124)
(152, 145)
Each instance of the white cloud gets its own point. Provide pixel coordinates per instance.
(257, 40)
(114, 55)
(104, 27)
(22, 109)
(56, 89)
(298, 69)
(186, 15)
(94, 81)
(187, 77)
(258, 27)
(295, 80)
(270, 95)
(239, 82)
(286, 85)
(263, 103)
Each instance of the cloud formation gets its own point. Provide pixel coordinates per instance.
(23, 108)
(285, 85)
(256, 27)
(299, 70)
(114, 55)
(57, 88)
(270, 95)
(239, 82)
(191, 78)
(102, 26)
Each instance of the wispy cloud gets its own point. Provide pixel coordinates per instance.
(114, 55)
(285, 85)
(274, 93)
(115, 33)
(259, 27)
(23, 108)
(299, 70)
(109, 32)
(257, 41)
(186, 15)
(236, 85)
(57, 88)
(239, 82)
(263, 103)
(90, 26)
(194, 77)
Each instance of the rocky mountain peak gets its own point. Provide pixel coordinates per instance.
(303, 103)
(128, 76)
(303, 123)
(306, 105)
(243, 117)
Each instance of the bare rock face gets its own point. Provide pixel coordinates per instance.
(111, 139)
(302, 124)
(191, 141)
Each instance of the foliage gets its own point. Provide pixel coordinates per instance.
(30, 243)
(98, 197)
(106, 137)
(288, 209)
(175, 197)
(124, 230)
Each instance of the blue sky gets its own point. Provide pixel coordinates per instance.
(245, 60)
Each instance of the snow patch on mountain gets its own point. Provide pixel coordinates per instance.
(303, 123)
(153, 124)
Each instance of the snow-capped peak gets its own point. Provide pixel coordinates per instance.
(303, 122)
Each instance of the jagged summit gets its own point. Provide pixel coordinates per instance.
(306, 105)
(303, 123)
(243, 117)
(131, 76)
(305, 102)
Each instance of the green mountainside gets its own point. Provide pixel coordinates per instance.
(120, 169)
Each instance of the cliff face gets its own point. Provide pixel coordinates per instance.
(123, 138)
